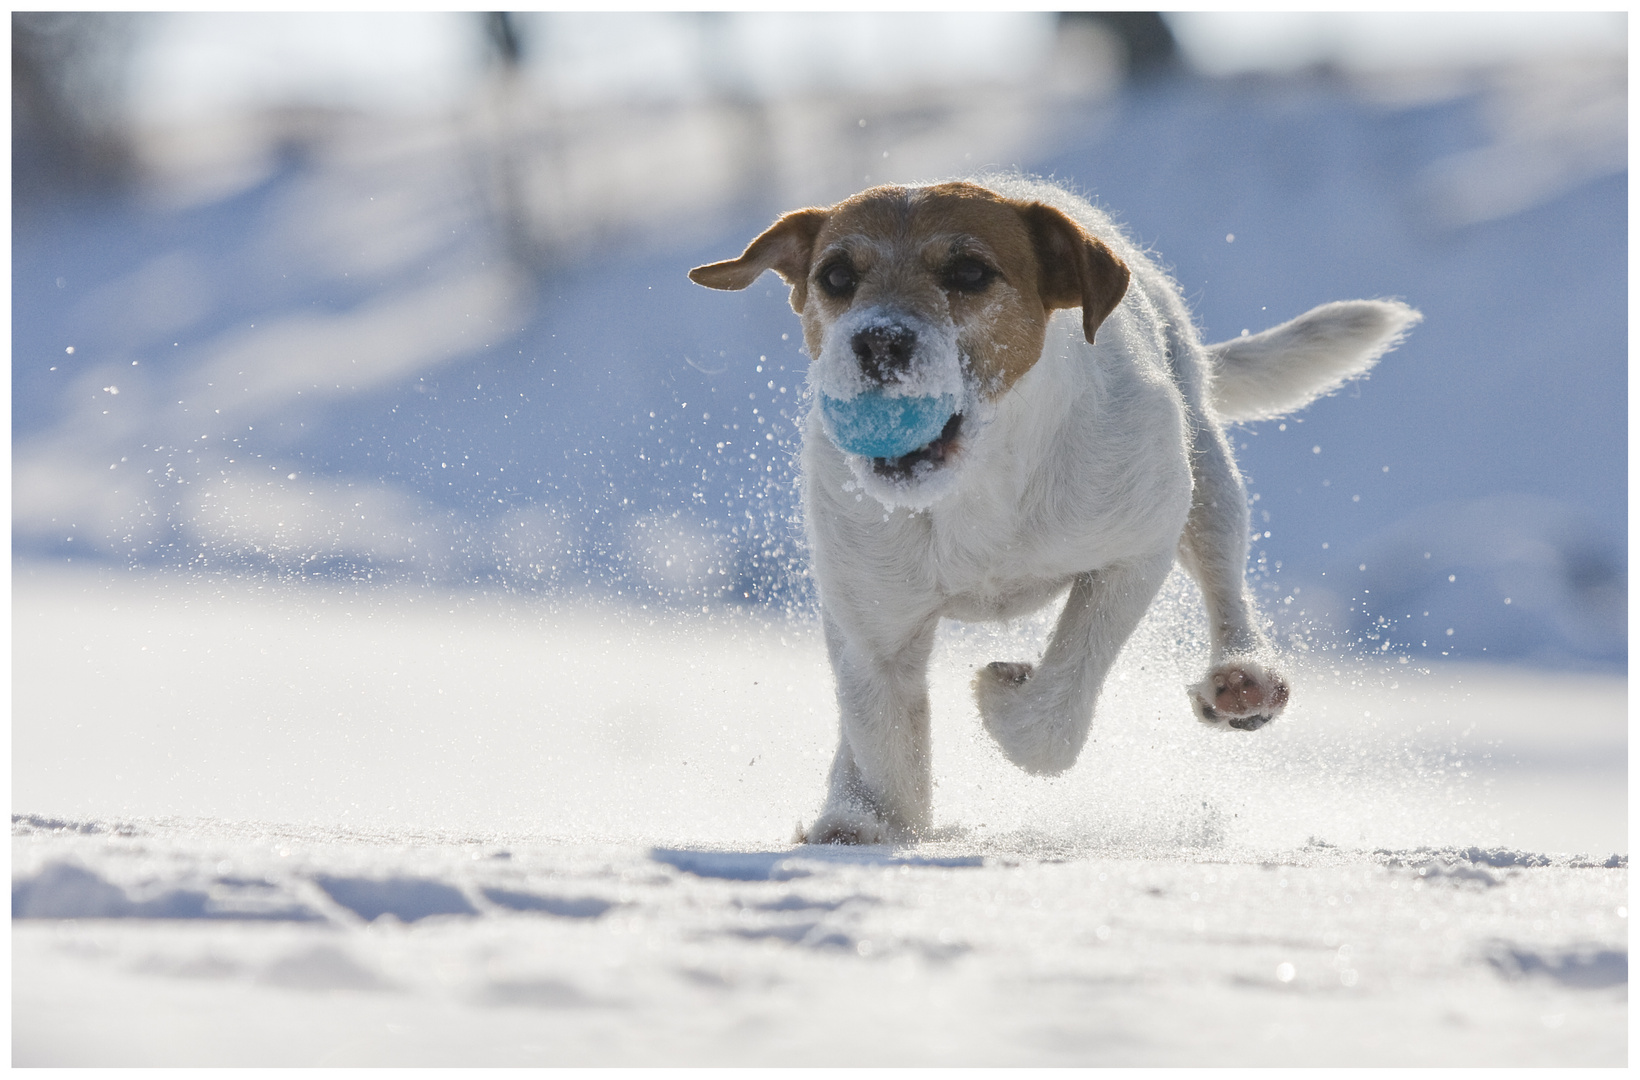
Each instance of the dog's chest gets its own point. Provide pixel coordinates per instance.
(1014, 533)
(993, 557)
(1098, 487)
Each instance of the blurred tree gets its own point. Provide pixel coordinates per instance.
(502, 31)
(1147, 43)
(526, 242)
(68, 83)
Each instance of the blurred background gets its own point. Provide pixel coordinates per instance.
(400, 299)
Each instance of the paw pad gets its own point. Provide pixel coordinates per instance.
(1239, 693)
(1242, 696)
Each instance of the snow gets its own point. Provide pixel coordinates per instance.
(837, 957)
(291, 825)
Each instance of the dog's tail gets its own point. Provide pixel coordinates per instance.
(1283, 369)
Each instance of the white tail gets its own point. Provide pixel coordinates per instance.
(1288, 366)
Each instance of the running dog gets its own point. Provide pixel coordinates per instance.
(1009, 400)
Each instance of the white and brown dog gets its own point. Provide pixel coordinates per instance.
(1068, 462)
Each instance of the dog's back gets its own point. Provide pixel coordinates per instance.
(1256, 377)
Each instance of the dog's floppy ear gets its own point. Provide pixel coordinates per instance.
(1076, 269)
(785, 247)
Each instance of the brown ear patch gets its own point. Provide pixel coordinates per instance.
(1076, 269)
(785, 247)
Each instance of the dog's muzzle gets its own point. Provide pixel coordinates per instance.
(892, 390)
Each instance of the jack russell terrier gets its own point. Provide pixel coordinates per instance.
(975, 448)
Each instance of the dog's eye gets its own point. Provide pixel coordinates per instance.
(968, 274)
(838, 279)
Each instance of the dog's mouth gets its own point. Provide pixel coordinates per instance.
(924, 459)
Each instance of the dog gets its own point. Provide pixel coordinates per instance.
(1085, 451)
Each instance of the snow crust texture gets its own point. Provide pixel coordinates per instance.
(189, 943)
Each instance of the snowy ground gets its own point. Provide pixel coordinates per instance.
(288, 826)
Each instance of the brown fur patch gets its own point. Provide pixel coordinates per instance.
(783, 247)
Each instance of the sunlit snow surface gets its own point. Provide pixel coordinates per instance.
(285, 826)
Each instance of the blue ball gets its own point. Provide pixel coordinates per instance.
(875, 425)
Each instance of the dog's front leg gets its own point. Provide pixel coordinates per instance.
(1241, 690)
(880, 779)
(1039, 715)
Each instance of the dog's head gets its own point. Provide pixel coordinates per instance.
(941, 290)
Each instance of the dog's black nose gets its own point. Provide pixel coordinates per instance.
(884, 351)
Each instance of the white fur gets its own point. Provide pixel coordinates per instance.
(1100, 465)
(1288, 366)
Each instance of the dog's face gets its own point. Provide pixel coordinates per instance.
(944, 289)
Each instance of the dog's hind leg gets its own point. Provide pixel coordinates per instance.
(881, 780)
(1040, 716)
(1241, 689)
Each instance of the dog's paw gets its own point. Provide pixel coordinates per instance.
(1240, 694)
(1035, 734)
(847, 825)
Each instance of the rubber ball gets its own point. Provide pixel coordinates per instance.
(875, 425)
